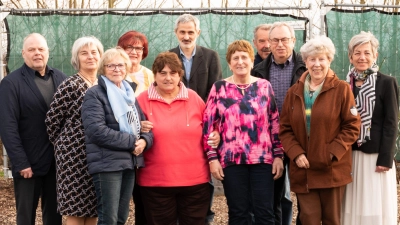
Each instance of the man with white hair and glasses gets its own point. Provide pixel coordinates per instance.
(282, 68)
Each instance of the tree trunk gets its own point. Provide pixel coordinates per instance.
(110, 3)
(397, 3)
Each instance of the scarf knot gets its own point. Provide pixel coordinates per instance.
(364, 74)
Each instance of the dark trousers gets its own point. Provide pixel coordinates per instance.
(27, 194)
(140, 217)
(282, 202)
(321, 205)
(244, 182)
(167, 205)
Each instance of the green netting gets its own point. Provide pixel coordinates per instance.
(61, 30)
(343, 25)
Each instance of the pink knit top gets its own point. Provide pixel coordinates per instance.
(176, 157)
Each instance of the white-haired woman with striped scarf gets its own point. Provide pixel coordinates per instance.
(371, 199)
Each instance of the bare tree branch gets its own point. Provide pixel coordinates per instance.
(161, 4)
(179, 3)
(17, 4)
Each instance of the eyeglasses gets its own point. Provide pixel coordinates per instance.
(113, 67)
(129, 49)
(284, 41)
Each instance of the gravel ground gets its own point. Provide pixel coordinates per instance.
(7, 206)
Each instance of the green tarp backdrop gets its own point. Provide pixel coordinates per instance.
(218, 30)
(343, 25)
(61, 30)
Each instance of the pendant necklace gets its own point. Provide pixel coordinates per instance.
(86, 79)
(241, 88)
(312, 90)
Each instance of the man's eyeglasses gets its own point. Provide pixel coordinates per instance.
(276, 41)
(129, 49)
(112, 67)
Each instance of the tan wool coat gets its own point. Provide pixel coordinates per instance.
(333, 129)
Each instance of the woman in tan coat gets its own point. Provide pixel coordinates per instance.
(319, 122)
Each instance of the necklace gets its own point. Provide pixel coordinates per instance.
(312, 90)
(315, 87)
(311, 93)
(242, 88)
(86, 79)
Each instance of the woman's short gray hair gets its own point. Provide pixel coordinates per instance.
(83, 42)
(363, 38)
(318, 45)
(186, 18)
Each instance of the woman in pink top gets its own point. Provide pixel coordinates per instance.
(174, 181)
(250, 155)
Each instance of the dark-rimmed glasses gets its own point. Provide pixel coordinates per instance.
(130, 48)
(276, 41)
(112, 67)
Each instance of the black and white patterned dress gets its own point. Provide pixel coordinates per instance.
(76, 195)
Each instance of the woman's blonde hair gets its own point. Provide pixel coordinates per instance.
(111, 54)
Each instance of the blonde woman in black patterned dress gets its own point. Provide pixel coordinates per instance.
(76, 195)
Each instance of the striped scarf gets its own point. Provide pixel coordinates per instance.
(365, 99)
(309, 99)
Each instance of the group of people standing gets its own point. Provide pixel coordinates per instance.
(87, 143)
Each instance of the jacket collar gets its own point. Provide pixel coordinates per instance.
(330, 82)
(28, 75)
(182, 95)
(102, 84)
(263, 67)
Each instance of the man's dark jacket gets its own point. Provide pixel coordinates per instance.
(22, 127)
(262, 70)
(206, 69)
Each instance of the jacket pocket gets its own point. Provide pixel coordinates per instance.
(319, 158)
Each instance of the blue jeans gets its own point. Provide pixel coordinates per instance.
(246, 184)
(113, 191)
